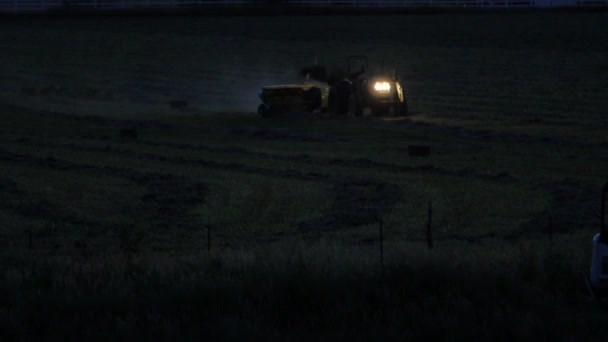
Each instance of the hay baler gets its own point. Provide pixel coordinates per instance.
(307, 97)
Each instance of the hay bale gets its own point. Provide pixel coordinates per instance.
(419, 150)
(178, 104)
(129, 133)
(29, 91)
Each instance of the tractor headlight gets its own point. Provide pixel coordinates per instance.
(382, 87)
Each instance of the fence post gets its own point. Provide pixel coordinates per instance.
(381, 244)
(30, 239)
(429, 227)
(208, 239)
(550, 227)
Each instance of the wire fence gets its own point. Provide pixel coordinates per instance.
(46, 5)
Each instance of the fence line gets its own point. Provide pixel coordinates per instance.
(44, 5)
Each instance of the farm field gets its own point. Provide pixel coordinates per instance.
(216, 223)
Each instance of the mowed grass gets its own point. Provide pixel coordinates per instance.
(106, 236)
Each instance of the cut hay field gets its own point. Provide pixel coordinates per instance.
(106, 236)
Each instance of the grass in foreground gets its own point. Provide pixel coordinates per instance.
(296, 292)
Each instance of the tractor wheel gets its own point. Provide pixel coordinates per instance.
(354, 108)
(264, 111)
(313, 99)
(331, 102)
(342, 106)
(379, 110)
(338, 102)
(402, 109)
(339, 96)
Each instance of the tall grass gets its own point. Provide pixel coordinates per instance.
(302, 292)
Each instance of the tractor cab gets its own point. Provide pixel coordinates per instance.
(356, 68)
(363, 89)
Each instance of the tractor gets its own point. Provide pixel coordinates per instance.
(381, 93)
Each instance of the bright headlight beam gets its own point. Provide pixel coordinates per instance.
(382, 86)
